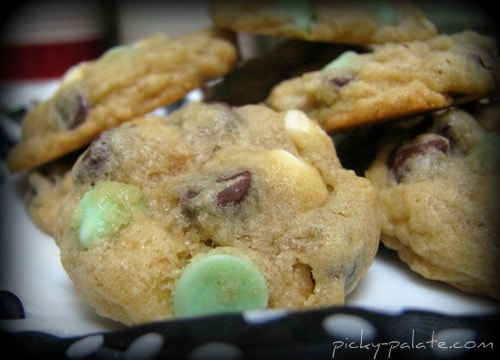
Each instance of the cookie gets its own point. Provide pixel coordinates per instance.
(125, 82)
(161, 205)
(393, 80)
(47, 186)
(438, 193)
(348, 22)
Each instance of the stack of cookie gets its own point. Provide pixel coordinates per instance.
(243, 203)
(422, 99)
(127, 81)
(211, 208)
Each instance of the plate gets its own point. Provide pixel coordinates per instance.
(390, 306)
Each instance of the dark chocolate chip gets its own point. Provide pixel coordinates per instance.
(400, 155)
(236, 191)
(342, 80)
(72, 110)
(93, 159)
(190, 194)
(81, 113)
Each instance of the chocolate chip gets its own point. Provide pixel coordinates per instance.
(419, 147)
(190, 194)
(460, 128)
(342, 79)
(83, 108)
(72, 110)
(236, 191)
(93, 159)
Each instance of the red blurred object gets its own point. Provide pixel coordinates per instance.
(44, 61)
(42, 39)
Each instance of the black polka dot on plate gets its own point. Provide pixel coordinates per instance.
(215, 350)
(11, 306)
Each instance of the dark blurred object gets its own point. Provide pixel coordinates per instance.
(10, 129)
(266, 64)
(451, 16)
(11, 306)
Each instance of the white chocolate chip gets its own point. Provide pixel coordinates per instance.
(296, 120)
(293, 181)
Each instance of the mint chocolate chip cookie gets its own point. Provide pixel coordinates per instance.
(347, 22)
(438, 191)
(246, 207)
(125, 82)
(393, 80)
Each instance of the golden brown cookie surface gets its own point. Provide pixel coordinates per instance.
(208, 180)
(47, 188)
(348, 22)
(394, 80)
(125, 82)
(438, 193)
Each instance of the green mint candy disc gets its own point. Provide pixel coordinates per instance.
(342, 61)
(106, 209)
(219, 283)
(302, 12)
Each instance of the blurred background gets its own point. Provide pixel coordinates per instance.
(42, 38)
